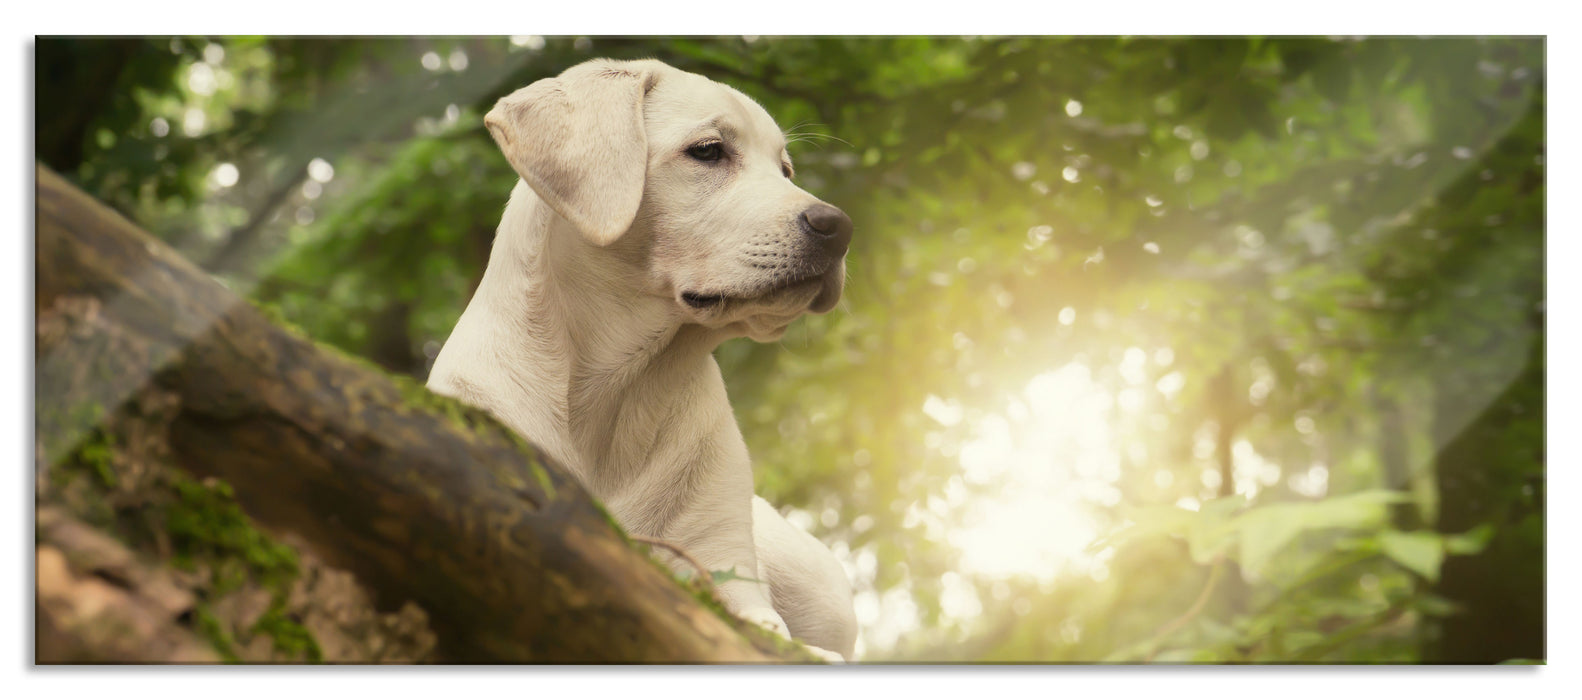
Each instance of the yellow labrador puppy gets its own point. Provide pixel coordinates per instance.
(655, 218)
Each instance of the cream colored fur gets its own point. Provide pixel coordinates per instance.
(580, 337)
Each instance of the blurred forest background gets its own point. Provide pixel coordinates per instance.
(1153, 349)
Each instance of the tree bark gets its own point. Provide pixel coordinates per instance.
(422, 498)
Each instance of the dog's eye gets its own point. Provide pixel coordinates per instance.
(707, 152)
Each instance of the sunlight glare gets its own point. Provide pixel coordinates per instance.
(1056, 456)
(1313, 483)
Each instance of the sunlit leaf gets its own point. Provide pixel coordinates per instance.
(1213, 531)
(1469, 542)
(1421, 552)
(1264, 532)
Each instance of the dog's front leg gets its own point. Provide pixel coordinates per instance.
(716, 528)
(730, 548)
(749, 599)
(727, 548)
(710, 482)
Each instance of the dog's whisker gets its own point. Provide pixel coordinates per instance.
(805, 136)
(794, 136)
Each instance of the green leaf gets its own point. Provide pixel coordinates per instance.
(1212, 531)
(1334, 80)
(1469, 542)
(1434, 606)
(1421, 552)
(1264, 532)
(1357, 510)
(1148, 521)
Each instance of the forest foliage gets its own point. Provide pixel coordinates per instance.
(1222, 349)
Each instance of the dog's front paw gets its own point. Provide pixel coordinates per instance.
(768, 619)
(828, 656)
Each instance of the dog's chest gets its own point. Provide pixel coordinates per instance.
(651, 448)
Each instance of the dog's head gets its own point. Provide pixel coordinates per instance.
(683, 184)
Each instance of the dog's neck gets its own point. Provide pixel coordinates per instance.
(595, 342)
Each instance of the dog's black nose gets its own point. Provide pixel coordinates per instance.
(829, 226)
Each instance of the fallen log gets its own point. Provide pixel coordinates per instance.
(422, 498)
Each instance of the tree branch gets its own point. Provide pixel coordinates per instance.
(422, 498)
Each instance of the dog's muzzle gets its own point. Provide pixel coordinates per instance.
(827, 235)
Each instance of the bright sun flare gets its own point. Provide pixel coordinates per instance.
(1053, 449)
(1050, 461)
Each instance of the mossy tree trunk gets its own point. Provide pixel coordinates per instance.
(423, 499)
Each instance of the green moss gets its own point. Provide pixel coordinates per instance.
(605, 512)
(474, 421)
(776, 645)
(85, 478)
(416, 395)
(212, 629)
(469, 418)
(97, 454)
(90, 413)
(59, 425)
(206, 524)
(542, 475)
(764, 640)
(289, 635)
(274, 315)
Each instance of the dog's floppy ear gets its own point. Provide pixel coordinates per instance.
(578, 141)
